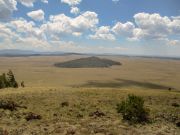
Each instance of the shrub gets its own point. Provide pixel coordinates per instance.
(33, 116)
(63, 104)
(22, 84)
(133, 110)
(8, 80)
(8, 105)
(175, 105)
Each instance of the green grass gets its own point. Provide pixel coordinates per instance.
(82, 102)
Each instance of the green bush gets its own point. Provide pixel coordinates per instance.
(133, 110)
(8, 80)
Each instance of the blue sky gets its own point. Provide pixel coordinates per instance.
(138, 27)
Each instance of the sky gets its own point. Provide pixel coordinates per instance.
(131, 27)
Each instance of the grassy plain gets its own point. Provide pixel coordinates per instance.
(88, 90)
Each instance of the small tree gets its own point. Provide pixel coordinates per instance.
(3, 81)
(132, 109)
(11, 79)
(6, 83)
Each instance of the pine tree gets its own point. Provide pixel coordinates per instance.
(6, 83)
(11, 79)
(3, 81)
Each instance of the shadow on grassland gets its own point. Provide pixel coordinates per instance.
(123, 83)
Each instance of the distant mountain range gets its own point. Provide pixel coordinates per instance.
(16, 53)
(26, 53)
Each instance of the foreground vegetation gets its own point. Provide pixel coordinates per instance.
(8, 80)
(133, 109)
(85, 111)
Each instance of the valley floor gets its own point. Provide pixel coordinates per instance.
(83, 101)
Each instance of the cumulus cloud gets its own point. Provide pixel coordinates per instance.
(6, 33)
(6, 9)
(20, 31)
(22, 34)
(103, 33)
(154, 26)
(50, 34)
(125, 29)
(37, 15)
(24, 29)
(71, 2)
(75, 10)
(149, 27)
(27, 3)
(62, 24)
(30, 3)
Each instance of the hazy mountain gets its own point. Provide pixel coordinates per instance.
(16, 51)
(19, 53)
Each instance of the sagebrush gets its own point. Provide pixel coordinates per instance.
(133, 110)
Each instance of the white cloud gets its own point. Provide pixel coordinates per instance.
(77, 34)
(37, 15)
(20, 33)
(103, 33)
(26, 29)
(173, 42)
(6, 32)
(71, 2)
(125, 29)
(75, 10)
(175, 17)
(149, 27)
(62, 24)
(27, 3)
(175, 26)
(6, 9)
(36, 43)
(45, 1)
(30, 3)
(169, 41)
(115, 1)
(154, 26)
(8, 6)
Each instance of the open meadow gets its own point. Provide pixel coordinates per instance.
(83, 101)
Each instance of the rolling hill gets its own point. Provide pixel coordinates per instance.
(90, 62)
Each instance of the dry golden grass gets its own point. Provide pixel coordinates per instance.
(89, 90)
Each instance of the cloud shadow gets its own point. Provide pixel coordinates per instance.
(124, 83)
